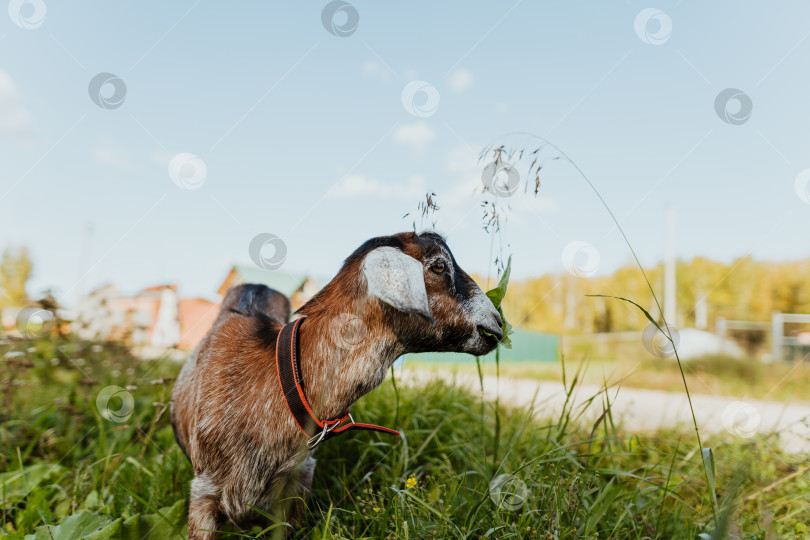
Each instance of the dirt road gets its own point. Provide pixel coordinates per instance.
(647, 410)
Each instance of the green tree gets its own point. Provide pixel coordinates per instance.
(15, 269)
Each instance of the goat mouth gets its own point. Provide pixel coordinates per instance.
(489, 336)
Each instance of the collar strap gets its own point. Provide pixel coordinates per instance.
(288, 367)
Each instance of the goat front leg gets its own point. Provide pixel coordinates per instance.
(292, 506)
(205, 519)
(305, 485)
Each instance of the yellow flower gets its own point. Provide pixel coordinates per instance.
(410, 482)
(376, 509)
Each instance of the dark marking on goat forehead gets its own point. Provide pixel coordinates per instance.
(410, 243)
(419, 246)
(370, 245)
(463, 283)
(430, 244)
(415, 245)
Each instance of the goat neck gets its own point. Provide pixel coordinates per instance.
(338, 369)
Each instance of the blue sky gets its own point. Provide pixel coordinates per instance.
(304, 134)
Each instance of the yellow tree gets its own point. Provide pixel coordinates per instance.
(15, 269)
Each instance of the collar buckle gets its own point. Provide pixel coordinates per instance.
(327, 428)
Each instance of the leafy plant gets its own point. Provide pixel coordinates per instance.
(497, 295)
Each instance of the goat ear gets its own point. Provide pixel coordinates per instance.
(397, 279)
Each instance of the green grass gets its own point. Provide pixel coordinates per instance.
(60, 457)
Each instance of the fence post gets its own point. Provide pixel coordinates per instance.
(777, 330)
(721, 328)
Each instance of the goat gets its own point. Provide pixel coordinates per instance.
(405, 292)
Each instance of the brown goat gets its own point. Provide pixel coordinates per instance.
(405, 292)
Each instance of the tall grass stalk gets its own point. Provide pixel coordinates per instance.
(708, 459)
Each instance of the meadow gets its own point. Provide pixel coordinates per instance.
(81, 460)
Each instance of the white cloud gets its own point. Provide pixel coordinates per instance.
(110, 154)
(15, 120)
(358, 186)
(416, 135)
(460, 80)
(372, 68)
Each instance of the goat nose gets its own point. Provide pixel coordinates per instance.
(493, 326)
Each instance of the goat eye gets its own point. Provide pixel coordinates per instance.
(438, 268)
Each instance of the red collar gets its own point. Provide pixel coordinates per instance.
(292, 388)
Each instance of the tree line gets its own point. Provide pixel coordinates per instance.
(743, 290)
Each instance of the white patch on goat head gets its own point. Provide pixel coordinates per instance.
(481, 312)
(480, 309)
(396, 279)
